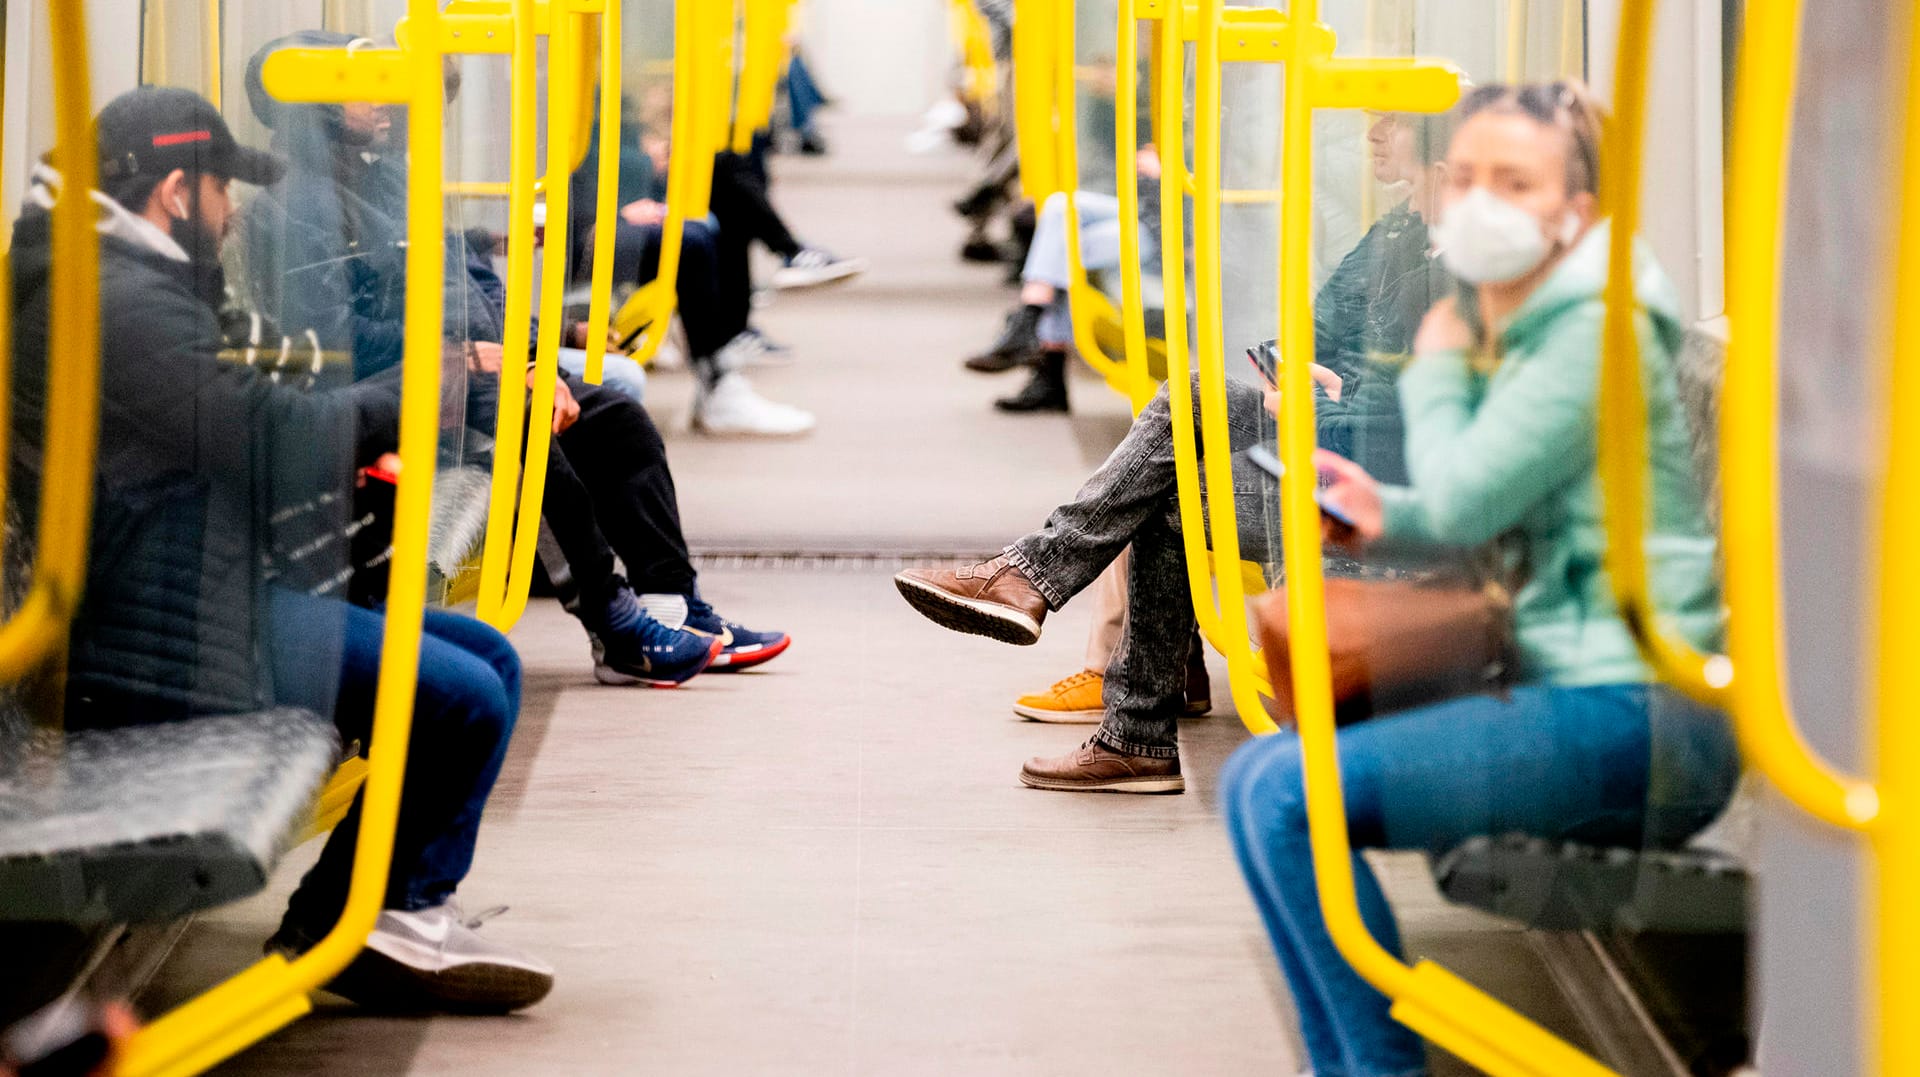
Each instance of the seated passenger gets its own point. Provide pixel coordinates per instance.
(1039, 334)
(1500, 408)
(714, 285)
(193, 608)
(609, 489)
(1371, 304)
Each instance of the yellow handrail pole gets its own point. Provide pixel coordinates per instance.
(1033, 91)
(39, 629)
(766, 27)
(607, 193)
(563, 59)
(1622, 420)
(689, 179)
(212, 27)
(1080, 301)
(1216, 461)
(1126, 135)
(1427, 998)
(1749, 427)
(516, 340)
(1894, 947)
(1170, 78)
(272, 992)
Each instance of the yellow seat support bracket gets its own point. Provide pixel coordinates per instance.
(273, 992)
(38, 630)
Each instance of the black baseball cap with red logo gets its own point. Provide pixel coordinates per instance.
(153, 130)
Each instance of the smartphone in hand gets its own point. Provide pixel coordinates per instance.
(1266, 361)
(1264, 459)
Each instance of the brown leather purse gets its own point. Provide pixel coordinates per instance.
(1398, 643)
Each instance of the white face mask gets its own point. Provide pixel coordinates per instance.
(1485, 239)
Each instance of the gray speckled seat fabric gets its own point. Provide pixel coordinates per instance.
(150, 822)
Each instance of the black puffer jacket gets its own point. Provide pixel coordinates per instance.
(197, 456)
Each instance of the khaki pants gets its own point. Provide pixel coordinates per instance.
(1109, 614)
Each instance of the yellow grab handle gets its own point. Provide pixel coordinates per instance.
(1066, 154)
(1895, 952)
(272, 992)
(496, 556)
(1170, 80)
(1623, 453)
(1749, 427)
(1217, 461)
(1033, 96)
(607, 194)
(689, 181)
(563, 59)
(1126, 135)
(38, 629)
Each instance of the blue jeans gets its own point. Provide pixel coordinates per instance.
(1627, 765)
(803, 95)
(618, 373)
(463, 716)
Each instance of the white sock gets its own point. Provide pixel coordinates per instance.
(668, 609)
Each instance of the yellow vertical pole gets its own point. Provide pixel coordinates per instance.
(227, 1018)
(516, 341)
(211, 26)
(606, 194)
(1216, 463)
(1893, 944)
(563, 59)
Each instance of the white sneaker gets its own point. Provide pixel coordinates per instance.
(812, 267)
(746, 349)
(732, 409)
(752, 348)
(436, 959)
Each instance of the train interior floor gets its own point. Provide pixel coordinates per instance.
(829, 866)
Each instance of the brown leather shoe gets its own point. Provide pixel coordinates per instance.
(1094, 768)
(991, 599)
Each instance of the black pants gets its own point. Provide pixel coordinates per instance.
(715, 296)
(609, 490)
(746, 216)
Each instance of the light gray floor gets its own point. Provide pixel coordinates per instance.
(829, 867)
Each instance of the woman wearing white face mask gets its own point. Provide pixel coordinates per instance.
(1500, 407)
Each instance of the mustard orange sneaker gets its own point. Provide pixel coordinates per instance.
(1073, 701)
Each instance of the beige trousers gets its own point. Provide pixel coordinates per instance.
(1109, 614)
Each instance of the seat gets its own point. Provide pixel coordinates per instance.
(1567, 886)
(146, 823)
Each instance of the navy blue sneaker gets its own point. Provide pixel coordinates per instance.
(741, 647)
(630, 647)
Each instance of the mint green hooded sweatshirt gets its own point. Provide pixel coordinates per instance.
(1511, 453)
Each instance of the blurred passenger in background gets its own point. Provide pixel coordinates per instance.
(195, 605)
(337, 224)
(1500, 407)
(1365, 317)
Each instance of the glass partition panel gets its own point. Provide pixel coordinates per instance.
(1457, 265)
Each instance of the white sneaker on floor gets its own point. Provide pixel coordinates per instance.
(733, 409)
(436, 959)
(811, 267)
(743, 351)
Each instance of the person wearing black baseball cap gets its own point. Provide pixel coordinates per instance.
(201, 598)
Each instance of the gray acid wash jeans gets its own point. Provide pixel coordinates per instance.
(1132, 499)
